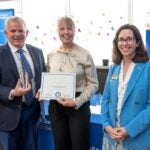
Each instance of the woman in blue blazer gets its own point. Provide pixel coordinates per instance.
(126, 96)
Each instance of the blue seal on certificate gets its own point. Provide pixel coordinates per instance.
(57, 94)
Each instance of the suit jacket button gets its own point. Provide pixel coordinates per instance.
(19, 106)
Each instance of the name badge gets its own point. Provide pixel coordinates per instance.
(114, 77)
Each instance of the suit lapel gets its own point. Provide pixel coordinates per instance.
(10, 59)
(133, 80)
(34, 57)
(115, 81)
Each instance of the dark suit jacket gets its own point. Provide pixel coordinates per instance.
(10, 110)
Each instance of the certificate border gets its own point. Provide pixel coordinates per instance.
(49, 73)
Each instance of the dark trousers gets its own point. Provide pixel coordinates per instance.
(70, 126)
(25, 136)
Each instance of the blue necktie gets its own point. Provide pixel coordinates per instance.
(26, 68)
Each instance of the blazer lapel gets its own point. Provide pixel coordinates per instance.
(34, 57)
(134, 78)
(11, 62)
(115, 81)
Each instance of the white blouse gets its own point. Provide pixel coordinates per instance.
(122, 88)
(78, 61)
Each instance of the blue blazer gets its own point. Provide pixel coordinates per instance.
(8, 78)
(135, 112)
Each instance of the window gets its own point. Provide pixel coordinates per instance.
(96, 21)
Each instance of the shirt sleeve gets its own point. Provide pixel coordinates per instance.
(91, 85)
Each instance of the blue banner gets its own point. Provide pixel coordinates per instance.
(148, 41)
(4, 14)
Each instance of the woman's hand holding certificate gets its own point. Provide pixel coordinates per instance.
(67, 102)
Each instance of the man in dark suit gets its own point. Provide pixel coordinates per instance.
(18, 119)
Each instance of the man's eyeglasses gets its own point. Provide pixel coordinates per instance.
(128, 40)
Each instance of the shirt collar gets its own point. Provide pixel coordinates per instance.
(14, 49)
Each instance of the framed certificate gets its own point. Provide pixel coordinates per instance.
(56, 85)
